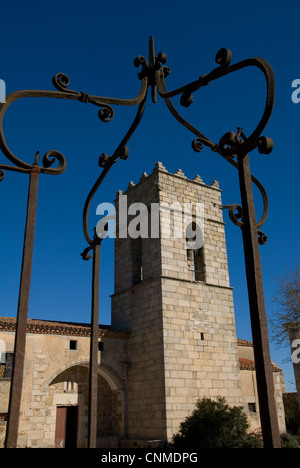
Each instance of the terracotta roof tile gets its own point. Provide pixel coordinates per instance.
(248, 364)
(61, 328)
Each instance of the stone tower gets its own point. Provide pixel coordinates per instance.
(176, 302)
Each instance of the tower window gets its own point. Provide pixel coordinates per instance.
(195, 251)
(199, 270)
(137, 265)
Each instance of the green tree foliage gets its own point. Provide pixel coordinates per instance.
(214, 424)
(292, 413)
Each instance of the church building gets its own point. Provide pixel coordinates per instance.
(172, 338)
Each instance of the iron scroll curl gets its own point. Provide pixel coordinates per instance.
(152, 74)
(53, 162)
(230, 144)
(61, 83)
(106, 162)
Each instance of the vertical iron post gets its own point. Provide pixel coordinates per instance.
(93, 370)
(11, 438)
(264, 374)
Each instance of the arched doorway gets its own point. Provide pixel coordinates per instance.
(67, 401)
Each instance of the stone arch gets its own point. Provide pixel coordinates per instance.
(69, 387)
(105, 371)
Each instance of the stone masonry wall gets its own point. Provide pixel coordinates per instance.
(183, 335)
(137, 308)
(56, 375)
(200, 340)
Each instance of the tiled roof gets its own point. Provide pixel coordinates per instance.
(248, 364)
(8, 324)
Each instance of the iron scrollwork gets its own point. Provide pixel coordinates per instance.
(106, 162)
(106, 113)
(231, 143)
(153, 75)
(61, 83)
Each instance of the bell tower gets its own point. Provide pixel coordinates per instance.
(172, 294)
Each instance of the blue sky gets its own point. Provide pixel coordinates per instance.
(95, 43)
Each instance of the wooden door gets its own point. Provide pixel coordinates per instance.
(66, 427)
(61, 423)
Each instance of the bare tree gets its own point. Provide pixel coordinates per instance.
(287, 298)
